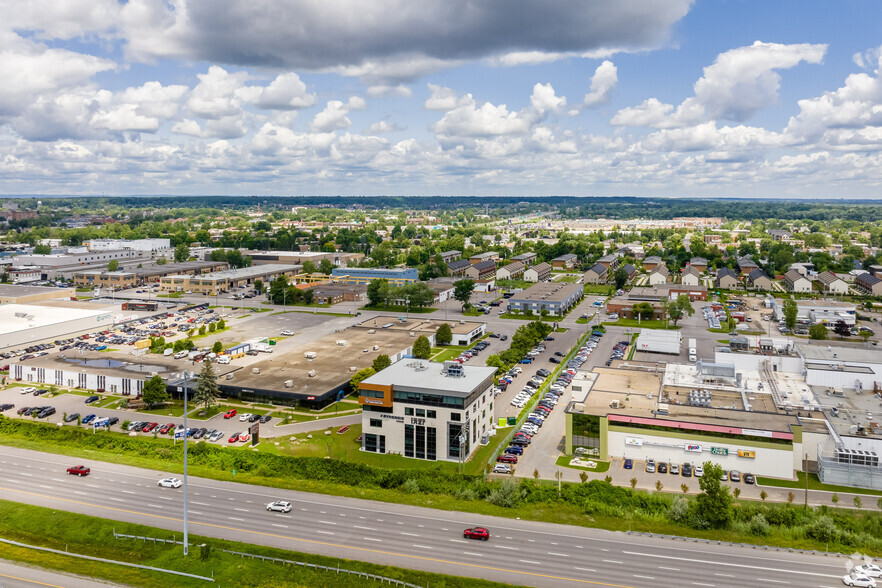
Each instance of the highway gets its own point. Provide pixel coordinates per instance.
(518, 552)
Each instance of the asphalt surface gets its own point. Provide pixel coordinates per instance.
(518, 552)
(14, 575)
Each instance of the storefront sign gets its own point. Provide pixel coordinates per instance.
(745, 453)
(755, 433)
(693, 448)
(633, 441)
(719, 451)
(394, 417)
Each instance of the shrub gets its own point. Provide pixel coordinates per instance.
(759, 525)
(411, 486)
(679, 509)
(507, 495)
(823, 529)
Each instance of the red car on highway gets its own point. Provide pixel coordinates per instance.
(79, 470)
(230, 414)
(476, 533)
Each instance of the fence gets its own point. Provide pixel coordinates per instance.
(337, 570)
(103, 560)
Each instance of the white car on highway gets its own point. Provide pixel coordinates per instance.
(871, 570)
(287, 333)
(279, 506)
(170, 483)
(860, 580)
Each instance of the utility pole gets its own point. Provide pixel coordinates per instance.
(805, 473)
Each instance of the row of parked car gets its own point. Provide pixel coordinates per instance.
(618, 351)
(473, 352)
(687, 470)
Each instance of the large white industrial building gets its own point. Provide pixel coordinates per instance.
(24, 324)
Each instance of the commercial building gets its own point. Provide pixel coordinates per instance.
(338, 258)
(24, 324)
(538, 273)
(138, 276)
(682, 415)
(555, 298)
(427, 410)
(147, 245)
(397, 276)
(810, 312)
(337, 293)
(20, 294)
(216, 283)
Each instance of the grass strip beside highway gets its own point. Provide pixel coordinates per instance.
(814, 484)
(87, 535)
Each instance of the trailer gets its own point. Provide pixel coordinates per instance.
(693, 350)
(654, 341)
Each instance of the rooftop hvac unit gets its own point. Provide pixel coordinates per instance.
(412, 334)
(255, 370)
(289, 383)
(311, 373)
(341, 342)
(229, 376)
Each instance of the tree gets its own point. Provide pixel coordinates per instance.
(790, 309)
(378, 292)
(381, 362)
(633, 483)
(42, 250)
(182, 253)
(841, 329)
(258, 285)
(713, 503)
(462, 291)
(763, 495)
(326, 267)
(620, 276)
(206, 387)
(834, 499)
(154, 392)
(444, 335)
(681, 307)
(644, 310)
(308, 267)
(818, 332)
(161, 261)
(203, 329)
(217, 347)
(858, 502)
(422, 349)
(113, 265)
(361, 375)
(278, 290)
(659, 486)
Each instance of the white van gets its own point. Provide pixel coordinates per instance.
(223, 359)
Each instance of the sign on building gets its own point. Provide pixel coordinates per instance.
(746, 453)
(719, 451)
(633, 441)
(693, 448)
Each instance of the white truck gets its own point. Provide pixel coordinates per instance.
(693, 350)
(264, 347)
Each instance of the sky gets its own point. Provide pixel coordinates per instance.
(653, 98)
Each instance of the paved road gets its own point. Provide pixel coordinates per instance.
(519, 552)
(15, 575)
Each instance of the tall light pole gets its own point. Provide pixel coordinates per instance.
(186, 376)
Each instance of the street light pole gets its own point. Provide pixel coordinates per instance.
(186, 375)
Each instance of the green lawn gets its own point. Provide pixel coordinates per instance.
(566, 278)
(176, 408)
(445, 355)
(633, 323)
(93, 536)
(400, 309)
(107, 401)
(564, 462)
(582, 321)
(814, 484)
(602, 289)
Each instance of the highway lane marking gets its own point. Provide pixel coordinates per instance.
(772, 581)
(506, 547)
(46, 487)
(314, 542)
(473, 553)
(373, 539)
(241, 509)
(81, 493)
(154, 506)
(117, 499)
(126, 491)
(365, 528)
(612, 561)
(458, 541)
(527, 561)
(29, 581)
(421, 546)
(558, 554)
(31, 475)
(585, 569)
(326, 532)
(410, 534)
(670, 569)
(278, 525)
(728, 564)
(702, 584)
(199, 503)
(326, 522)
(644, 577)
(235, 519)
(725, 575)
(194, 512)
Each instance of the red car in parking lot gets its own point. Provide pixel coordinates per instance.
(507, 458)
(230, 414)
(166, 429)
(476, 533)
(149, 427)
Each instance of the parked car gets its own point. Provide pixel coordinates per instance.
(72, 417)
(507, 458)
(629, 464)
(92, 399)
(230, 413)
(502, 468)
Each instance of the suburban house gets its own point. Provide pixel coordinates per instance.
(538, 273)
(598, 274)
(652, 262)
(698, 263)
(512, 271)
(659, 275)
(528, 259)
(449, 256)
(796, 282)
(833, 283)
(746, 265)
(483, 270)
(779, 235)
(759, 280)
(727, 279)
(458, 267)
(690, 276)
(611, 261)
(630, 271)
(869, 284)
(565, 261)
(487, 256)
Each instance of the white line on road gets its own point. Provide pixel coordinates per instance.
(701, 584)
(154, 506)
(372, 539)
(506, 547)
(235, 519)
(93, 486)
(422, 546)
(325, 532)
(612, 561)
(644, 577)
(241, 509)
(80, 493)
(585, 569)
(527, 561)
(126, 491)
(194, 512)
(165, 497)
(117, 499)
(459, 541)
(410, 534)
(558, 554)
(728, 564)
(365, 528)
(472, 553)
(326, 522)
(45, 486)
(669, 569)
(772, 581)
(282, 526)
(725, 575)
(199, 503)
(32, 475)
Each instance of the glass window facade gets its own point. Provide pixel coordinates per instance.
(586, 431)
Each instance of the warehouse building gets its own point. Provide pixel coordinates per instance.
(427, 410)
(397, 276)
(24, 324)
(216, 283)
(139, 276)
(21, 294)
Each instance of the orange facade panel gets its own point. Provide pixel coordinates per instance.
(373, 399)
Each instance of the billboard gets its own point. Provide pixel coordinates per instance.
(254, 431)
(693, 448)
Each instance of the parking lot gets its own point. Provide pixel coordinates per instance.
(670, 480)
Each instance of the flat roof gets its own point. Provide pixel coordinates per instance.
(547, 291)
(825, 303)
(840, 353)
(429, 375)
(13, 290)
(254, 270)
(420, 325)
(19, 317)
